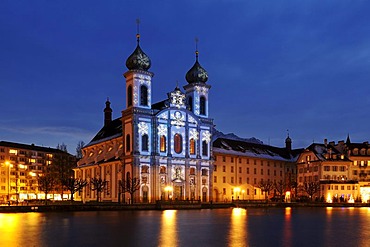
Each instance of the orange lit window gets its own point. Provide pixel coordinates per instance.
(192, 146)
(162, 144)
(178, 143)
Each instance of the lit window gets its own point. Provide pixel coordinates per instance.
(162, 147)
(178, 143)
(192, 146)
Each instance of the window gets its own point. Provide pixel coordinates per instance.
(240, 160)
(261, 171)
(240, 180)
(143, 95)
(247, 170)
(192, 171)
(224, 179)
(202, 106)
(326, 168)
(215, 168)
(178, 143)
(342, 168)
(162, 169)
(240, 170)
(192, 146)
(204, 148)
(162, 144)
(232, 180)
(232, 169)
(224, 191)
(255, 170)
(204, 172)
(223, 159)
(190, 103)
(215, 179)
(145, 143)
(224, 168)
(128, 143)
(129, 96)
(247, 161)
(335, 168)
(144, 169)
(232, 159)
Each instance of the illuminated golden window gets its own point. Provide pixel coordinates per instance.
(178, 143)
(13, 151)
(162, 147)
(192, 146)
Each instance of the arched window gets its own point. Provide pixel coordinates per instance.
(178, 143)
(128, 143)
(190, 103)
(204, 148)
(145, 143)
(143, 95)
(162, 144)
(202, 105)
(192, 146)
(129, 96)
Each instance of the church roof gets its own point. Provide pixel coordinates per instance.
(109, 131)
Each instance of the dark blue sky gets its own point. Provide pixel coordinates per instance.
(273, 65)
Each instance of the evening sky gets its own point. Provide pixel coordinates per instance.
(302, 66)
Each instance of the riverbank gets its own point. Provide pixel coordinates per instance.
(55, 207)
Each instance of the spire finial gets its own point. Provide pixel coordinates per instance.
(196, 47)
(138, 30)
(287, 132)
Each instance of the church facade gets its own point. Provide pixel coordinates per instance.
(166, 146)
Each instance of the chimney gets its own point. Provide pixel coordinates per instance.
(107, 113)
(325, 142)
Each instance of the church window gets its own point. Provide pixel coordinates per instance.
(192, 146)
(178, 143)
(190, 103)
(143, 95)
(202, 105)
(129, 96)
(162, 143)
(205, 148)
(128, 143)
(145, 143)
(192, 171)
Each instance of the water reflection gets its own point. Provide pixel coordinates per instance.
(168, 235)
(238, 231)
(287, 239)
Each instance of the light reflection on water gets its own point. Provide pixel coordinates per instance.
(236, 227)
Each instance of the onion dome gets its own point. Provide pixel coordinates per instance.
(196, 74)
(138, 60)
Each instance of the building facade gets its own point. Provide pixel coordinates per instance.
(165, 145)
(20, 167)
(241, 165)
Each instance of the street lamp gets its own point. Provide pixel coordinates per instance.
(168, 189)
(237, 191)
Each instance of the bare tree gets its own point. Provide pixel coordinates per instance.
(98, 184)
(46, 184)
(311, 188)
(129, 185)
(79, 147)
(74, 185)
(266, 187)
(280, 188)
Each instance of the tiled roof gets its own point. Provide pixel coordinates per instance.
(113, 129)
(30, 147)
(252, 149)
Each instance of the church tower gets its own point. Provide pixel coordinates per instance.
(138, 79)
(197, 89)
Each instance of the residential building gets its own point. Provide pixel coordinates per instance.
(165, 145)
(240, 165)
(326, 165)
(20, 167)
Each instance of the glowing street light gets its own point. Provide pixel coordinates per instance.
(237, 191)
(168, 189)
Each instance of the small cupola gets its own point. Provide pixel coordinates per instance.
(107, 113)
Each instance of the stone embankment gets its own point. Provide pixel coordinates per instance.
(163, 205)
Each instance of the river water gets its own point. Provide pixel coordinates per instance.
(209, 227)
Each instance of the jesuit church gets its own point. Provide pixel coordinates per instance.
(166, 144)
